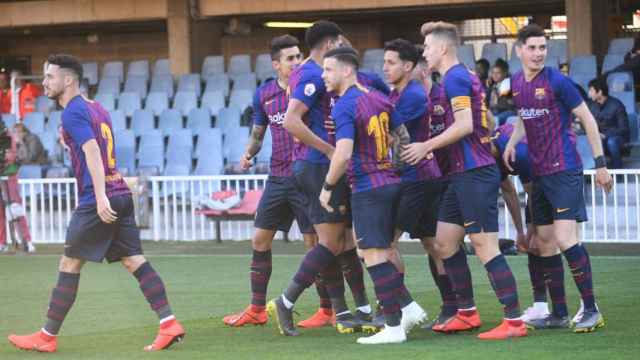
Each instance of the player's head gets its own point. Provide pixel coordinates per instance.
(532, 47)
(340, 68)
(323, 36)
(421, 71)
(285, 55)
(344, 41)
(400, 58)
(440, 42)
(598, 90)
(499, 71)
(63, 74)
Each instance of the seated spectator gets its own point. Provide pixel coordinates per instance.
(631, 63)
(499, 92)
(30, 149)
(612, 120)
(482, 70)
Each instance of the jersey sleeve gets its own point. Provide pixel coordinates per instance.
(343, 114)
(78, 125)
(565, 90)
(309, 89)
(411, 106)
(259, 117)
(457, 87)
(378, 84)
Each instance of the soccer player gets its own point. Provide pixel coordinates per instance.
(281, 201)
(470, 202)
(362, 120)
(545, 100)
(307, 119)
(103, 225)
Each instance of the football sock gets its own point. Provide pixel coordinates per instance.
(449, 304)
(62, 298)
(504, 285)
(580, 265)
(404, 297)
(321, 289)
(554, 276)
(153, 289)
(387, 284)
(260, 274)
(457, 270)
(312, 264)
(352, 271)
(334, 283)
(536, 274)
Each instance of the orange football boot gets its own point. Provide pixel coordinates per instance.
(38, 341)
(322, 317)
(170, 332)
(252, 315)
(464, 320)
(508, 329)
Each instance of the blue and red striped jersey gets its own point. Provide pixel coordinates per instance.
(522, 165)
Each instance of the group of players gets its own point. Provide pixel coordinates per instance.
(354, 160)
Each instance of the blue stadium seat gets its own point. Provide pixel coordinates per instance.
(109, 85)
(264, 156)
(212, 65)
(124, 138)
(90, 72)
(31, 172)
(228, 117)
(138, 68)
(108, 101)
(235, 143)
(552, 62)
(157, 102)
(142, 121)
(180, 155)
(372, 56)
(118, 120)
(620, 81)
(162, 67)
(611, 61)
(494, 51)
(627, 98)
(241, 98)
(49, 142)
(182, 138)
(162, 83)
(152, 138)
(45, 105)
(558, 49)
(136, 84)
(209, 143)
(583, 64)
(239, 64)
(190, 83)
(245, 82)
(170, 120)
(584, 150)
(199, 119)
(151, 157)
(264, 68)
(54, 121)
(125, 148)
(34, 121)
(214, 101)
(620, 46)
(582, 80)
(515, 65)
(218, 82)
(467, 55)
(129, 102)
(113, 69)
(209, 165)
(185, 101)
(9, 120)
(178, 187)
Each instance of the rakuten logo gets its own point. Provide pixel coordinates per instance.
(277, 118)
(532, 113)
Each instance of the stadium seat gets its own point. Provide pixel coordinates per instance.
(209, 165)
(54, 121)
(31, 172)
(582, 80)
(558, 49)
(124, 138)
(245, 82)
(515, 65)
(57, 172)
(118, 120)
(264, 68)
(142, 121)
(49, 143)
(372, 56)
(179, 155)
(611, 61)
(138, 68)
(620, 81)
(151, 157)
(228, 117)
(9, 120)
(34, 121)
(162, 67)
(627, 98)
(552, 62)
(241, 98)
(199, 119)
(583, 64)
(211, 65)
(620, 46)
(45, 105)
(584, 150)
(235, 142)
(108, 101)
(182, 138)
(125, 148)
(162, 83)
(157, 102)
(178, 187)
(151, 138)
(90, 72)
(213, 100)
(494, 51)
(113, 69)
(190, 83)
(185, 101)
(209, 143)
(109, 85)
(170, 120)
(467, 55)
(264, 156)
(136, 84)
(239, 64)
(218, 82)
(129, 102)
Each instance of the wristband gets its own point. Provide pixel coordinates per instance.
(600, 161)
(328, 187)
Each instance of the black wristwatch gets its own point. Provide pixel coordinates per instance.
(328, 187)
(600, 161)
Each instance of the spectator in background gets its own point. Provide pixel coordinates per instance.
(5, 88)
(482, 70)
(499, 92)
(29, 146)
(612, 120)
(631, 63)
(27, 94)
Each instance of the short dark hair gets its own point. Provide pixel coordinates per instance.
(282, 42)
(68, 62)
(484, 62)
(531, 30)
(502, 65)
(405, 49)
(320, 31)
(600, 84)
(420, 50)
(346, 55)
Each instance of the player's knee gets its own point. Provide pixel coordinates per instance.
(132, 263)
(310, 240)
(70, 265)
(262, 240)
(374, 257)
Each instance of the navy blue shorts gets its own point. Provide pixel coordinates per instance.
(471, 200)
(559, 196)
(280, 204)
(90, 239)
(374, 213)
(309, 180)
(418, 207)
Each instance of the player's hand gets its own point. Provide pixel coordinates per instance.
(245, 162)
(105, 212)
(522, 242)
(603, 179)
(509, 156)
(325, 196)
(413, 153)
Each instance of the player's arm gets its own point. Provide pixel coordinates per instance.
(510, 196)
(531, 229)
(95, 165)
(593, 135)
(253, 147)
(344, 116)
(509, 155)
(400, 139)
(294, 125)
(410, 107)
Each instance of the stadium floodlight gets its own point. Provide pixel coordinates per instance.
(288, 24)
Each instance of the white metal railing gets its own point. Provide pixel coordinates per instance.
(613, 217)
